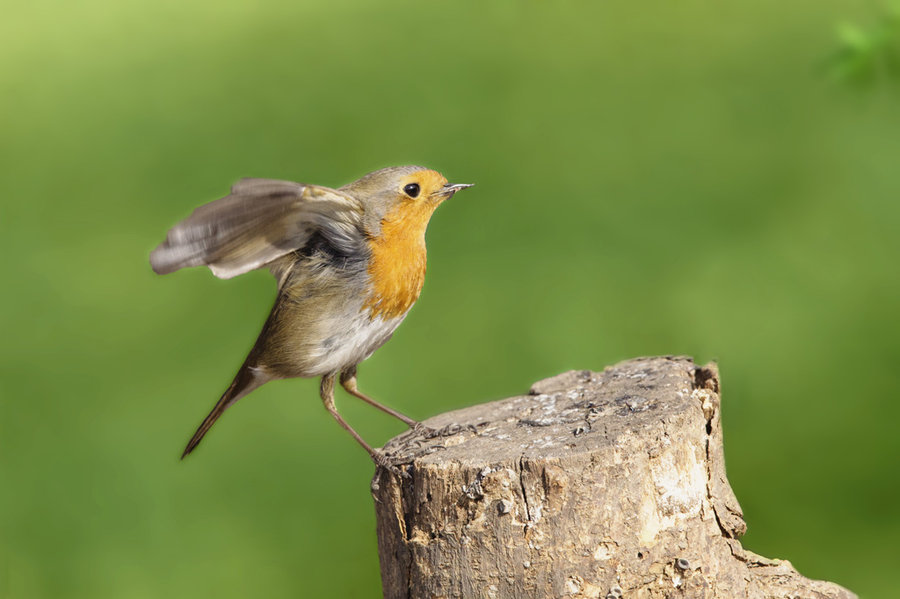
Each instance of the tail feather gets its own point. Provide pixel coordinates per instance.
(244, 382)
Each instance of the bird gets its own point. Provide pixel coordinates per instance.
(349, 262)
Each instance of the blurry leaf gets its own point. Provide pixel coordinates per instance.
(852, 36)
(867, 55)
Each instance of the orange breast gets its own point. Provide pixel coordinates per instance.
(397, 266)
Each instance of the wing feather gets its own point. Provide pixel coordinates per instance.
(259, 221)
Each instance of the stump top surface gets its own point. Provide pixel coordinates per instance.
(574, 412)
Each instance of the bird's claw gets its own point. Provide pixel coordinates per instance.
(382, 460)
(424, 430)
(448, 430)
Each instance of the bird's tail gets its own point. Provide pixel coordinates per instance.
(246, 380)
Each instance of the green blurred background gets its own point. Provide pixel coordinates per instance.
(652, 178)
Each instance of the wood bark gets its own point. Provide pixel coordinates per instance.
(607, 485)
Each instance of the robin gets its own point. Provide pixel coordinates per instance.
(350, 263)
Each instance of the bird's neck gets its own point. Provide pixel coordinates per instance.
(397, 265)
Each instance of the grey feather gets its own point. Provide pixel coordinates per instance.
(261, 220)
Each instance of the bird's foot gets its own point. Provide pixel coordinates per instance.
(426, 431)
(447, 431)
(382, 460)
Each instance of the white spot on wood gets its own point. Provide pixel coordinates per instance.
(603, 551)
(573, 584)
(681, 482)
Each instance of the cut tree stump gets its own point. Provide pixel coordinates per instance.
(607, 485)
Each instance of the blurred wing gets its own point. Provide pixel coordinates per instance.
(259, 221)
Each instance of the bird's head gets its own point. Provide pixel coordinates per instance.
(401, 194)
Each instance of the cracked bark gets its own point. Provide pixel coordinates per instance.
(606, 484)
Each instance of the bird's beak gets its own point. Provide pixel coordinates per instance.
(450, 188)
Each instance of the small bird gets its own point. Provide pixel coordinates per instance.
(350, 263)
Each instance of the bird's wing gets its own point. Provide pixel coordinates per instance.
(260, 220)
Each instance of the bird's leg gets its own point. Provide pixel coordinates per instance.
(348, 382)
(326, 391)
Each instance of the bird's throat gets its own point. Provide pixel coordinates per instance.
(397, 265)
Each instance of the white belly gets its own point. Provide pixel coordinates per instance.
(350, 338)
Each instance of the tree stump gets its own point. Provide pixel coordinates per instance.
(607, 485)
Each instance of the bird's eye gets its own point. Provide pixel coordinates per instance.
(412, 190)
